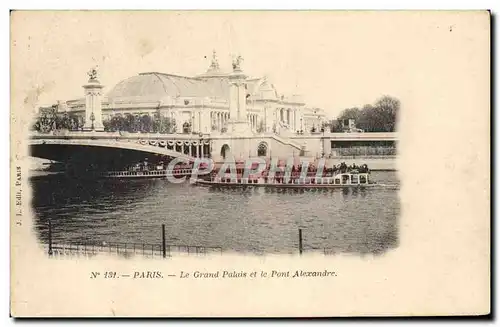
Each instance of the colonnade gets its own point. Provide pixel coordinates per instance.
(253, 120)
(289, 117)
(219, 120)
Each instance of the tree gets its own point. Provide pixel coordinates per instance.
(63, 121)
(145, 124)
(107, 125)
(118, 123)
(350, 113)
(380, 117)
(166, 125)
(169, 125)
(334, 126)
(49, 120)
(186, 128)
(162, 124)
(326, 126)
(157, 121)
(131, 123)
(368, 120)
(388, 109)
(76, 122)
(36, 126)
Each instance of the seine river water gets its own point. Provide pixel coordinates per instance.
(254, 222)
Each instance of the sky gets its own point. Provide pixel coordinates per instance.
(335, 60)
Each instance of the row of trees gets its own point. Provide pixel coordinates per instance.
(379, 117)
(49, 120)
(145, 124)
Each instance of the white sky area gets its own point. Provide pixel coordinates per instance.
(335, 60)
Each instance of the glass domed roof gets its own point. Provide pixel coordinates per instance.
(159, 85)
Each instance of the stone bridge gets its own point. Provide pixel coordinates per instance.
(92, 146)
(95, 147)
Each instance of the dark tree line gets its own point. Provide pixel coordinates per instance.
(137, 123)
(50, 120)
(379, 117)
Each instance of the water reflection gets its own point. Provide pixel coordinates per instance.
(248, 221)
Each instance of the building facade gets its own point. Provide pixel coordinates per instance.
(228, 114)
(203, 102)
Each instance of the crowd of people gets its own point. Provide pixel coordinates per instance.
(343, 168)
(312, 170)
(336, 169)
(340, 168)
(296, 170)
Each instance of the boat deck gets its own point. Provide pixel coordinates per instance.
(342, 180)
(282, 185)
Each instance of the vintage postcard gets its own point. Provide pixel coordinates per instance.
(250, 163)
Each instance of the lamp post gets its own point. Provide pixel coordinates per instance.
(323, 144)
(199, 151)
(210, 147)
(92, 118)
(160, 122)
(192, 123)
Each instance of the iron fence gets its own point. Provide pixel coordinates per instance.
(89, 249)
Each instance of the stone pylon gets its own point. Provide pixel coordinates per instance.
(238, 123)
(93, 108)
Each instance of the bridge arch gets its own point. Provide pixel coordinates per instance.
(88, 150)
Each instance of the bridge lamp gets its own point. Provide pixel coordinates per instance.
(92, 118)
(200, 134)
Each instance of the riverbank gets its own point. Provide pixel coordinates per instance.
(116, 213)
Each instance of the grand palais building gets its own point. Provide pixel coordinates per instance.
(203, 102)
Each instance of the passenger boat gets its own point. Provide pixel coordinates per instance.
(129, 174)
(341, 180)
(153, 171)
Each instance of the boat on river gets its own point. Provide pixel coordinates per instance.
(130, 174)
(144, 171)
(338, 181)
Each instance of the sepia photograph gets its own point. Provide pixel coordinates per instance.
(193, 140)
(190, 154)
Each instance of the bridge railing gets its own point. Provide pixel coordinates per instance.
(121, 134)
